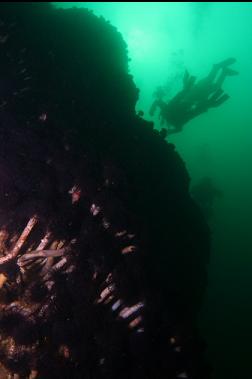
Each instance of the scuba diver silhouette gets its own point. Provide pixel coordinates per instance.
(204, 193)
(195, 98)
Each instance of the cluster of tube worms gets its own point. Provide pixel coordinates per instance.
(29, 293)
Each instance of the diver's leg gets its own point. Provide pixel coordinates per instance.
(225, 72)
(218, 66)
(220, 79)
(227, 62)
(212, 74)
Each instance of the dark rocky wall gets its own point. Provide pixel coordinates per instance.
(68, 121)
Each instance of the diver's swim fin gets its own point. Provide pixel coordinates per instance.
(226, 62)
(230, 72)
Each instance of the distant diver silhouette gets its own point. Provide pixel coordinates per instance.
(204, 193)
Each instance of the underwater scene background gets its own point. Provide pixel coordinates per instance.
(125, 190)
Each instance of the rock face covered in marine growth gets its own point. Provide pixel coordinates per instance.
(102, 251)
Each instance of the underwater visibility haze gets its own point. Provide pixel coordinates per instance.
(125, 190)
